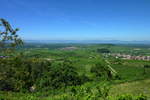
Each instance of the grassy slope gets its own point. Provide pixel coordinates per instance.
(135, 87)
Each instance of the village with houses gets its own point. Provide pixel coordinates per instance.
(129, 57)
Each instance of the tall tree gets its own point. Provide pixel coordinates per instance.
(8, 37)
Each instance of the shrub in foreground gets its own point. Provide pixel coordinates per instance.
(19, 74)
(61, 76)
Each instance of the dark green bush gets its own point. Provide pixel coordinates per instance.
(19, 74)
(61, 76)
(101, 71)
(103, 50)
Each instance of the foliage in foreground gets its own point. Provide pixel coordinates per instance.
(8, 37)
(20, 74)
(74, 93)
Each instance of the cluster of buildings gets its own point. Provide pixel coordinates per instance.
(127, 56)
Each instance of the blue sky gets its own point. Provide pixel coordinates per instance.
(79, 19)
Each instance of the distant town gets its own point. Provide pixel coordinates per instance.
(130, 57)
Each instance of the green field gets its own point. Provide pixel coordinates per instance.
(133, 79)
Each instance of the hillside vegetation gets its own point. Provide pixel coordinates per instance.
(83, 73)
(71, 71)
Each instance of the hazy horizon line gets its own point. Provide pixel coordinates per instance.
(80, 40)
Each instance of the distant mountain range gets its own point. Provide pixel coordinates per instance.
(89, 41)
